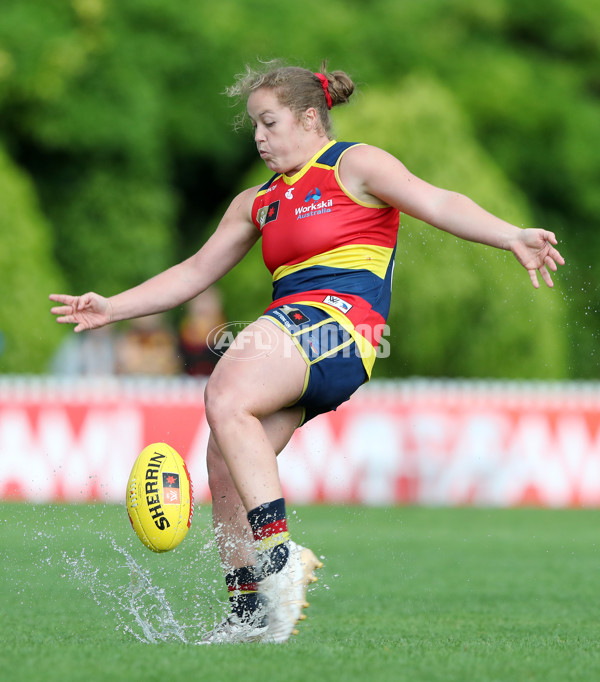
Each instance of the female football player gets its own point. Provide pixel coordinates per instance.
(328, 219)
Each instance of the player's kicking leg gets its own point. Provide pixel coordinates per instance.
(233, 533)
(246, 399)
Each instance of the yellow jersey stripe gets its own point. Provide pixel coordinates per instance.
(376, 259)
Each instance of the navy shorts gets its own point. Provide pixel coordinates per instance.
(334, 365)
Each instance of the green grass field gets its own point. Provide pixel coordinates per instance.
(406, 594)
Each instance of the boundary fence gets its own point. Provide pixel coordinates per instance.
(422, 442)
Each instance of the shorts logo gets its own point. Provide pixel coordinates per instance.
(171, 491)
(267, 214)
(338, 303)
(295, 316)
(313, 195)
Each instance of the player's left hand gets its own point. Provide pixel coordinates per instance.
(534, 249)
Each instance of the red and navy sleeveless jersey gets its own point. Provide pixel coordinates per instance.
(325, 247)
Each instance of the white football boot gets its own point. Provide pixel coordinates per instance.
(285, 593)
(234, 630)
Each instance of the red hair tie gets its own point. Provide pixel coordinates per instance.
(325, 84)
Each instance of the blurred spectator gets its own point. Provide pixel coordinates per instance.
(203, 314)
(148, 346)
(89, 354)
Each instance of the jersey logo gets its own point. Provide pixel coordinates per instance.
(313, 195)
(314, 208)
(267, 214)
(290, 193)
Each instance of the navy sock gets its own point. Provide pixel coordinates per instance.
(269, 526)
(244, 599)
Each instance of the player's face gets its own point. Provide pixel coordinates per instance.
(280, 137)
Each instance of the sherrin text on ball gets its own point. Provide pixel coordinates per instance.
(159, 497)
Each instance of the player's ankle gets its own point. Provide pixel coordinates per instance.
(244, 599)
(269, 526)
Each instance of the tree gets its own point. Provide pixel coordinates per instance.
(27, 270)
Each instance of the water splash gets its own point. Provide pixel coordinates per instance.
(141, 608)
(176, 597)
(123, 588)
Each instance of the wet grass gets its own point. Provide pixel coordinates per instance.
(406, 594)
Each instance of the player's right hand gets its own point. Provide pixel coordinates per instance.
(89, 311)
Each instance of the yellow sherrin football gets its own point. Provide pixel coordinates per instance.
(159, 497)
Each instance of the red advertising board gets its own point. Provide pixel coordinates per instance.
(414, 442)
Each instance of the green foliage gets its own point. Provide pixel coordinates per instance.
(115, 111)
(27, 271)
(122, 221)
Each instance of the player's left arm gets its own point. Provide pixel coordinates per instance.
(370, 173)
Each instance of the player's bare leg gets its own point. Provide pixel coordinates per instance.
(253, 383)
(258, 376)
(230, 520)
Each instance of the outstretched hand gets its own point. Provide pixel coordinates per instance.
(89, 311)
(534, 249)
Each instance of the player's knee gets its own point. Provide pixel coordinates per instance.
(219, 403)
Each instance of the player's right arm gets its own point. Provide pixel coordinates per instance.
(231, 241)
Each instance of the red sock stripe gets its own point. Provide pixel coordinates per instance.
(248, 587)
(271, 529)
